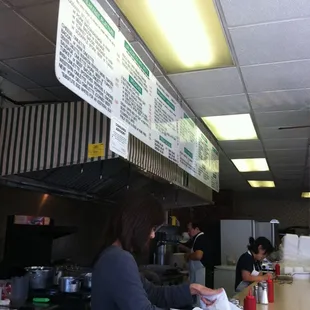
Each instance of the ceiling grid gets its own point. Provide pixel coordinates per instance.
(270, 45)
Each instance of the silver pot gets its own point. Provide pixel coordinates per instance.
(87, 279)
(69, 284)
(40, 277)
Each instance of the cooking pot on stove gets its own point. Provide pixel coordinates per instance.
(40, 277)
(69, 284)
(87, 279)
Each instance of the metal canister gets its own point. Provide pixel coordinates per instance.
(263, 293)
(256, 293)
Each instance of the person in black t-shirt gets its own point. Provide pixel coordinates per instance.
(197, 254)
(248, 267)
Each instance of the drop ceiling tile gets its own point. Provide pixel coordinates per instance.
(3, 6)
(63, 93)
(277, 76)
(146, 58)
(287, 153)
(167, 85)
(284, 144)
(244, 12)
(15, 92)
(23, 3)
(275, 133)
(288, 184)
(245, 154)
(283, 119)
(14, 77)
(221, 105)
(44, 17)
(287, 169)
(40, 69)
(43, 94)
(208, 83)
(281, 100)
(290, 161)
(261, 176)
(20, 39)
(274, 42)
(242, 145)
(288, 174)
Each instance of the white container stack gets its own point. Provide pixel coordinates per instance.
(290, 247)
(296, 256)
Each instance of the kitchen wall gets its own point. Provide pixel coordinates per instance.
(287, 207)
(87, 217)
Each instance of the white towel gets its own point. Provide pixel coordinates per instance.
(221, 303)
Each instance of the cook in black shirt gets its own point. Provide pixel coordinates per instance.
(197, 255)
(248, 267)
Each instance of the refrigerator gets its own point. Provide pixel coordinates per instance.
(235, 236)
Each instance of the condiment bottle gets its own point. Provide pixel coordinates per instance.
(249, 302)
(277, 269)
(270, 290)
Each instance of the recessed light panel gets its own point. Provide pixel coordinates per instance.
(183, 35)
(231, 127)
(251, 164)
(257, 183)
(305, 195)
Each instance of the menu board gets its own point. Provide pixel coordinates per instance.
(135, 92)
(164, 119)
(188, 135)
(96, 62)
(215, 168)
(85, 56)
(203, 159)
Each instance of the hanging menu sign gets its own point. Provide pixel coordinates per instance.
(203, 159)
(214, 168)
(135, 104)
(95, 61)
(165, 123)
(85, 53)
(188, 132)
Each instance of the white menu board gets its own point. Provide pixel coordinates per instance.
(95, 61)
(164, 118)
(215, 168)
(135, 89)
(203, 171)
(188, 134)
(85, 56)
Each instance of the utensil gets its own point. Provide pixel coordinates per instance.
(69, 284)
(40, 277)
(87, 279)
(263, 293)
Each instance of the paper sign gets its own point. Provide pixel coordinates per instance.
(95, 150)
(119, 136)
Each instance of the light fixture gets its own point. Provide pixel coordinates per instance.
(231, 127)
(305, 195)
(258, 183)
(251, 164)
(183, 35)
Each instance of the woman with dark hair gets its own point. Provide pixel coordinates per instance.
(116, 282)
(248, 267)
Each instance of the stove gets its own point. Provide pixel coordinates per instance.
(59, 300)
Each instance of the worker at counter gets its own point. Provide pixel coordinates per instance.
(249, 264)
(197, 254)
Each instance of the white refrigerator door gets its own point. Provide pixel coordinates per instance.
(263, 229)
(235, 236)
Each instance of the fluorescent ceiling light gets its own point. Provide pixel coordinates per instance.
(183, 35)
(257, 183)
(231, 127)
(305, 195)
(184, 30)
(251, 164)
